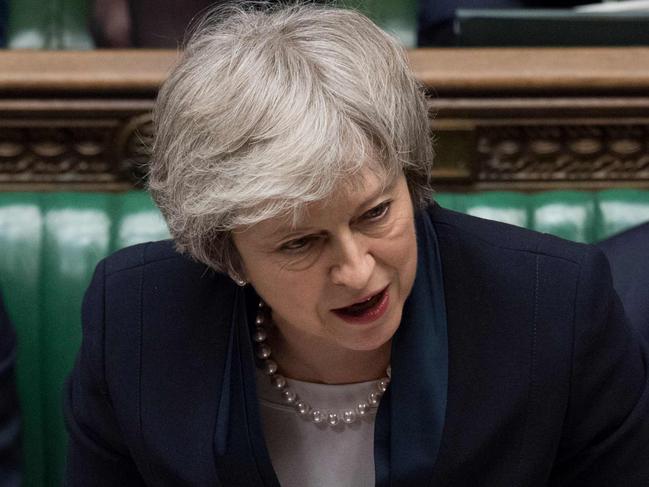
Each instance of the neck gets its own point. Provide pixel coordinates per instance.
(326, 363)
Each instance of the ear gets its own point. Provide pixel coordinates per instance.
(236, 267)
(237, 279)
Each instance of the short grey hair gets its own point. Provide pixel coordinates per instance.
(271, 108)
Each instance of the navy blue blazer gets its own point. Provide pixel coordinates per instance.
(628, 254)
(547, 383)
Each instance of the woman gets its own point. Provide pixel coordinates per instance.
(317, 320)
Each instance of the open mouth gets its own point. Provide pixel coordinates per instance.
(367, 310)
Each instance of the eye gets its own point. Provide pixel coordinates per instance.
(297, 245)
(378, 212)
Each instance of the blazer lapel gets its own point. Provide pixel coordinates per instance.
(411, 415)
(199, 418)
(242, 458)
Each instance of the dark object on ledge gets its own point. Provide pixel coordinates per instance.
(436, 16)
(549, 28)
(10, 464)
(126, 23)
(4, 14)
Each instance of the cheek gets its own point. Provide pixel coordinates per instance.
(400, 246)
(401, 257)
(292, 295)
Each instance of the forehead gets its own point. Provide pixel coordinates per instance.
(350, 197)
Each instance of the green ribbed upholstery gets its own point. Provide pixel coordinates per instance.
(49, 24)
(50, 246)
(51, 243)
(574, 215)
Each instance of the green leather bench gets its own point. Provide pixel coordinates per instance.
(49, 24)
(51, 243)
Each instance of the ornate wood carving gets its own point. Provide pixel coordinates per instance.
(563, 152)
(133, 146)
(42, 153)
(74, 150)
(503, 118)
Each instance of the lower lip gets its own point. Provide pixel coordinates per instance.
(369, 315)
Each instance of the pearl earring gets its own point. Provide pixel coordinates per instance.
(238, 280)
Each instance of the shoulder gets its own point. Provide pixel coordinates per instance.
(627, 254)
(151, 290)
(156, 258)
(500, 238)
(629, 246)
(636, 236)
(512, 266)
(154, 279)
(143, 254)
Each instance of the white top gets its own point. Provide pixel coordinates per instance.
(308, 455)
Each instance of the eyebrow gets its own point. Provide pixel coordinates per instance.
(287, 232)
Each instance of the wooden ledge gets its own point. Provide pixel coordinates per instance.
(129, 70)
(533, 69)
(503, 70)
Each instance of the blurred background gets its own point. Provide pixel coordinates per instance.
(86, 24)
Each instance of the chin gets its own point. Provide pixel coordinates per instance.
(369, 340)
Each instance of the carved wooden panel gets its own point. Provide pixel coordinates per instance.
(42, 153)
(563, 152)
(542, 142)
(112, 152)
(133, 146)
(501, 118)
(74, 150)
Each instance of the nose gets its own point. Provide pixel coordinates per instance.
(353, 263)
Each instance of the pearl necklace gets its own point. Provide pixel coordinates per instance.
(317, 416)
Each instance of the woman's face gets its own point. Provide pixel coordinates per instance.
(357, 247)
